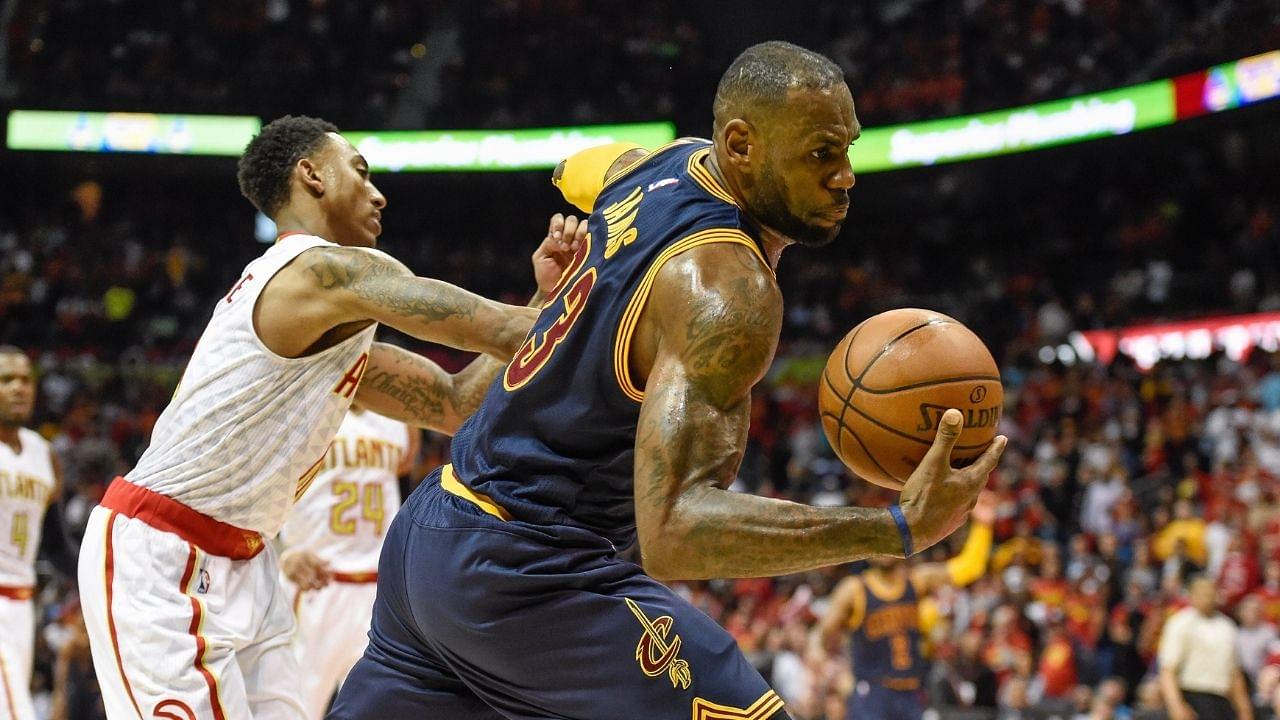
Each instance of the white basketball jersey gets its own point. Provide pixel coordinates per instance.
(246, 429)
(26, 485)
(343, 516)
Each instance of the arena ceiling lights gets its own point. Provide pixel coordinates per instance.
(1002, 132)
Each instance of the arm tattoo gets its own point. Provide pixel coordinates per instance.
(389, 284)
(413, 389)
(421, 398)
(380, 288)
(718, 328)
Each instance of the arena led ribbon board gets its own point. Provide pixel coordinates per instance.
(1234, 335)
(130, 132)
(918, 144)
(387, 151)
(1072, 120)
(457, 150)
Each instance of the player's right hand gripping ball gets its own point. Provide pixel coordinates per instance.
(887, 384)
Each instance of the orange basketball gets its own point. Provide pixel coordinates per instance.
(887, 384)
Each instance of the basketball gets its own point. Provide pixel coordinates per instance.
(887, 384)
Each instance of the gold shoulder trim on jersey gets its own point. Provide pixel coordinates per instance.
(704, 178)
(858, 612)
(884, 591)
(631, 315)
(451, 484)
(765, 707)
(626, 169)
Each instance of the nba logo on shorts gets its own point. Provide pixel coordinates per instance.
(202, 587)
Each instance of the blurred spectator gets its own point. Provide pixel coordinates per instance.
(1254, 639)
(1200, 675)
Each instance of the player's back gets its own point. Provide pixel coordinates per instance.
(885, 641)
(247, 429)
(553, 443)
(344, 514)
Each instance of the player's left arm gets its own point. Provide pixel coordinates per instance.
(415, 390)
(844, 612)
(971, 563)
(54, 544)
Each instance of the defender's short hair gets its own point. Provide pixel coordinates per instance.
(264, 168)
(763, 74)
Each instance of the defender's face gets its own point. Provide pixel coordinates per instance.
(17, 389)
(803, 187)
(352, 202)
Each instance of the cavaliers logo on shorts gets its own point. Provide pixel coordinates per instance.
(655, 654)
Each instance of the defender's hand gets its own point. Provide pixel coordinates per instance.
(938, 497)
(564, 236)
(304, 569)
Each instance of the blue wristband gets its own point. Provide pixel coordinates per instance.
(903, 530)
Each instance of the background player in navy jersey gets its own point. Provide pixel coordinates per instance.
(879, 609)
(622, 419)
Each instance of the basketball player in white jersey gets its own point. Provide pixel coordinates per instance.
(330, 547)
(181, 593)
(29, 481)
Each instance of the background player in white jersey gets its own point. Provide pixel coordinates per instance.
(181, 595)
(29, 482)
(330, 546)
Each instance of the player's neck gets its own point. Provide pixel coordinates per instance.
(774, 242)
(9, 436)
(889, 576)
(309, 221)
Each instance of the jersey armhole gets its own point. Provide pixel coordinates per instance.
(635, 306)
(633, 165)
(253, 325)
(858, 609)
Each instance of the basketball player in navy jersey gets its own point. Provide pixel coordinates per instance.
(502, 588)
(879, 609)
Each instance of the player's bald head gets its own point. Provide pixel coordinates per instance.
(763, 77)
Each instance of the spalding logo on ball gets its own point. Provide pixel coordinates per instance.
(887, 384)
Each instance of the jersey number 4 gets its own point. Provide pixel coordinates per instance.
(20, 533)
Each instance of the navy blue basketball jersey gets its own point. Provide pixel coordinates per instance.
(885, 636)
(554, 441)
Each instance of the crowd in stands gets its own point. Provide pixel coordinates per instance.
(519, 63)
(918, 58)
(1117, 487)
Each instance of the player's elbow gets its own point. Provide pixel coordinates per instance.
(658, 558)
(667, 550)
(517, 321)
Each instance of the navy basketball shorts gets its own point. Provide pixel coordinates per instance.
(477, 617)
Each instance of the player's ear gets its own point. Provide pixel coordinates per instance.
(737, 134)
(308, 173)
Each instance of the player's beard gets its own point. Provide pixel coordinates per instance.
(772, 210)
